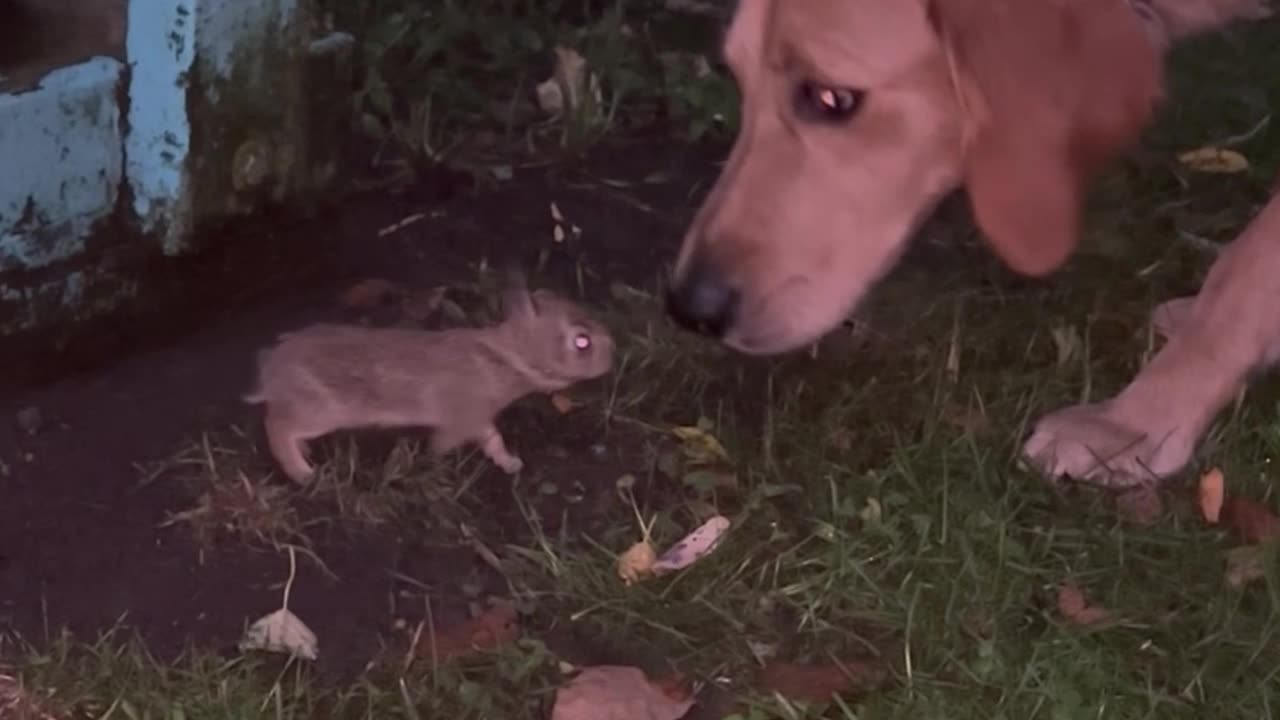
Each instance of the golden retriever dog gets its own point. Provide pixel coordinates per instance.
(858, 116)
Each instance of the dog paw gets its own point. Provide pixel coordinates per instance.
(1090, 444)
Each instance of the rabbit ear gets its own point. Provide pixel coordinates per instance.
(516, 300)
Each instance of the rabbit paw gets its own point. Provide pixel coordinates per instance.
(497, 451)
(510, 464)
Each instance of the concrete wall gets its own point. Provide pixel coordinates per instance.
(109, 162)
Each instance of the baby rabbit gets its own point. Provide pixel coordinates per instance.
(330, 377)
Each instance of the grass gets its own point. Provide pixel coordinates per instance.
(880, 516)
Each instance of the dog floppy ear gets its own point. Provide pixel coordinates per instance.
(1050, 90)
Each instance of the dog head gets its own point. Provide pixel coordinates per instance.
(859, 115)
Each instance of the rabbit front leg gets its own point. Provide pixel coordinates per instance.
(495, 448)
(485, 435)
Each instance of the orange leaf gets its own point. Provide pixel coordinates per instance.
(497, 625)
(1211, 492)
(562, 403)
(1253, 521)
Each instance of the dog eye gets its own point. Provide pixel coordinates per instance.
(822, 102)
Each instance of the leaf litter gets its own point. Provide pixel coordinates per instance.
(641, 560)
(282, 631)
(616, 692)
(494, 627)
(1249, 520)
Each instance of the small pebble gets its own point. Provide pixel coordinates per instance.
(1141, 506)
(30, 419)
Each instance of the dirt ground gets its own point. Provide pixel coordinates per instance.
(83, 544)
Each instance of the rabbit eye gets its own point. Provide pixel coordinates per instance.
(582, 341)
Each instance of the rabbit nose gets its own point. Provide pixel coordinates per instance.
(703, 300)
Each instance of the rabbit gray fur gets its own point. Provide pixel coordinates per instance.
(329, 377)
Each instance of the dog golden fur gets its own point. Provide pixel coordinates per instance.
(858, 116)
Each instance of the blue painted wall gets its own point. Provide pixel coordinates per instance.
(207, 119)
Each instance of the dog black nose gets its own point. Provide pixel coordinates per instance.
(703, 301)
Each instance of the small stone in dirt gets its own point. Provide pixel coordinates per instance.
(30, 419)
(1141, 506)
(1245, 564)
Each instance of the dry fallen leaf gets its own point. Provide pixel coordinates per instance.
(281, 632)
(700, 446)
(1211, 493)
(1214, 160)
(1252, 521)
(370, 292)
(1141, 506)
(490, 629)
(1074, 609)
(611, 692)
(817, 683)
(637, 562)
(693, 546)
(1245, 564)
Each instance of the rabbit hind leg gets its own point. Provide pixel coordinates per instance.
(287, 438)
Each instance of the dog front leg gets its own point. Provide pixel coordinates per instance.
(1150, 430)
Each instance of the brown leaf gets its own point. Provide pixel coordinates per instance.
(496, 626)
(369, 293)
(1211, 493)
(611, 692)
(1251, 520)
(1074, 609)
(1141, 506)
(816, 683)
